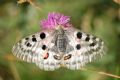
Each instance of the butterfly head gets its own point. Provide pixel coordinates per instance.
(56, 21)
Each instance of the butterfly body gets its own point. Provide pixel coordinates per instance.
(61, 42)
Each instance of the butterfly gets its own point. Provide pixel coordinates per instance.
(51, 49)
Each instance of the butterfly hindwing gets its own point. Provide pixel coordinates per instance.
(87, 48)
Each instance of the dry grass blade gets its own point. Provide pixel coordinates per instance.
(117, 1)
(10, 57)
(14, 71)
(108, 74)
(102, 73)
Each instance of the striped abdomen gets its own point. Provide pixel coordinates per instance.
(61, 43)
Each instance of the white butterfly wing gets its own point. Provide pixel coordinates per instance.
(36, 49)
(87, 48)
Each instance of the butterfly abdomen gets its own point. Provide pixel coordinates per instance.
(61, 43)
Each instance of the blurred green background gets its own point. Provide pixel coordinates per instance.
(98, 17)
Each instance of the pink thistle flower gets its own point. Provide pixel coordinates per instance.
(54, 20)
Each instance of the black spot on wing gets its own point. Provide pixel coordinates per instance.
(44, 47)
(92, 44)
(78, 46)
(26, 38)
(34, 39)
(28, 45)
(42, 35)
(87, 38)
(79, 35)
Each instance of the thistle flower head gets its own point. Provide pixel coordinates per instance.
(54, 20)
